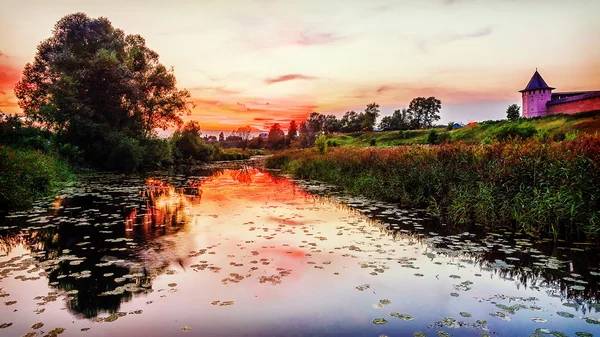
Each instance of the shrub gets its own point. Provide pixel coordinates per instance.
(432, 137)
(156, 153)
(26, 175)
(321, 144)
(450, 126)
(119, 152)
(373, 142)
(510, 130)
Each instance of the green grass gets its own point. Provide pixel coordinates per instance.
(28, 174)
(556, 127)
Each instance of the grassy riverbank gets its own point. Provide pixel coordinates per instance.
(556, 127)
(538, 186)
(28, 174)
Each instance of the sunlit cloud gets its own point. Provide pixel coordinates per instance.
(289, 77)
(9, 76)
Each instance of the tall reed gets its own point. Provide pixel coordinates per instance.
(538, 186)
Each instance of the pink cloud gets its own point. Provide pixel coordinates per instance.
(307, 39)
(288, 77)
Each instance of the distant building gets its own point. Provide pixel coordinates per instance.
(538, 99)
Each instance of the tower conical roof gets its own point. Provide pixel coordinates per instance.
(536, 82)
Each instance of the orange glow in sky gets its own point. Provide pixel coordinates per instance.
(259, 62)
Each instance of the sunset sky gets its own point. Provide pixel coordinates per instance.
(264, 61)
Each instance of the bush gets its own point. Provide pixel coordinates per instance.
(432, 137)
(157, 153)
(373, 142)
(510, 130)
(27, 175)
(321, 144)
(450, 126)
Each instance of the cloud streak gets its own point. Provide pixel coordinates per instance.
(288, 77)
(307, 39)
(424, 45)
(478, 33)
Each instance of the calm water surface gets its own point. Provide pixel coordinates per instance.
(244, 252)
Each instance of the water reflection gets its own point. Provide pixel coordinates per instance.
(285, 256)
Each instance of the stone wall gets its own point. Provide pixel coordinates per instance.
(583, 105)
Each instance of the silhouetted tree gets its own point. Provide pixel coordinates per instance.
(292, 133)
(221, 137)
(276, 137)
(351, 121)
(331, 124)
(244, 133)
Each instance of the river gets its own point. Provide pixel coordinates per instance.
(234, 250)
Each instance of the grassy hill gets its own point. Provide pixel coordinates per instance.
(555, 126)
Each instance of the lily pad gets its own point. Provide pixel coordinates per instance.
(403, 317)
(539, 320)
(37, 325)
(379, 321)
(565, 314)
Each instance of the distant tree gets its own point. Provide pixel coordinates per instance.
(351, 121)
(306, 137)
(369, 117)
(292, 133)
(276, 137)
(424, 111)
(512, 112)
(331, 124)
(221, 137)
(256, 143)
(99, 89)
(399, 120)
(244, 133)
(188, 144)
(387, 124)
(315, 122)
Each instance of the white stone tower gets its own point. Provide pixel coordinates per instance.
(535, 96)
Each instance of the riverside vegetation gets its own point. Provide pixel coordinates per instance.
(538, 186)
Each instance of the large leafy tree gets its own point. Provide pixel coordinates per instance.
(424, 111)
(89, 80)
